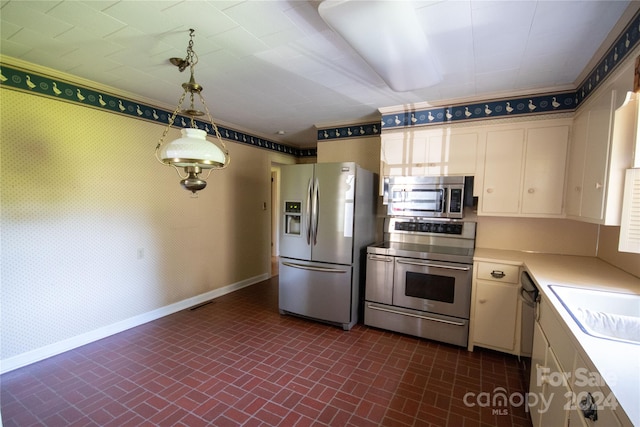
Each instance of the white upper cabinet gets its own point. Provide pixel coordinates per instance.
(452, 153)
(575, 165)
(598, 134)
(519, 167)
(435, 152)
(597, 161)
(545, 160)
(524, 170)
(502, 172)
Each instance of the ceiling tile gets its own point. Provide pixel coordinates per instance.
(24, 16)
(91, 20)
(146, 16)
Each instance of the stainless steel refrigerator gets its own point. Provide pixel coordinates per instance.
(328, 221)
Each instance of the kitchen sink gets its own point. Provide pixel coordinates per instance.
(602, 314)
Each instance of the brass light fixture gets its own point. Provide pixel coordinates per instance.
(192, 153)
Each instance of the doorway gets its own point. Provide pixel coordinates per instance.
(275, 214)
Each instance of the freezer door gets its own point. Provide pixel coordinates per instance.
(333, 226)
(296, 182)
(318, 291)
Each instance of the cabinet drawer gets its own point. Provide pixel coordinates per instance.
(500, 272)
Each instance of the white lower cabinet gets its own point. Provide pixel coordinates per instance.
(548, 391)
(587, 384)
(496, 315)
(536, 383)
(495, 307)
(561, 379)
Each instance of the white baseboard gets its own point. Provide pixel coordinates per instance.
(29, 357)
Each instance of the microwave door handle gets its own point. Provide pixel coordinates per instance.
(308, 213)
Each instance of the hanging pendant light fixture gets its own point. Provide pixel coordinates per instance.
(192, 153)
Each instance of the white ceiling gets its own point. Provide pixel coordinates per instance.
(268, 66)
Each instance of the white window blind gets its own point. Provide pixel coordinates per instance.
(630, 226)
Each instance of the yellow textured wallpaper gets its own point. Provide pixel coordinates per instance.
(96, 231)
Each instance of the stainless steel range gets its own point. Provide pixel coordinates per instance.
(419, 279)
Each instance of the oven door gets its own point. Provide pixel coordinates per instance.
(433, 286)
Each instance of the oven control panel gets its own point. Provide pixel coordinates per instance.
(429, 227)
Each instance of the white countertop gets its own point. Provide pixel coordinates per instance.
(617, 362)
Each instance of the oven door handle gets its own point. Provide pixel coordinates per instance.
(448, 322)
(312, 268)
(424, 264)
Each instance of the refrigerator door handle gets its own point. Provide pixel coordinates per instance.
(308, 212)
(313, 268)
(315, 210)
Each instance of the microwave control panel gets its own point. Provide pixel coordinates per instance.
(456, 200)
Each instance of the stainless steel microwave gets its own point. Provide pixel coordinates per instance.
(424, 196)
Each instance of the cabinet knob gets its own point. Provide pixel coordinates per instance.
(482, 300)
(598, 186)
(578, 188)
(531, 191)
(489, 190)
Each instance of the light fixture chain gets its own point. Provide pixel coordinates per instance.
(217, 132)
(191, 54)
(172, 119)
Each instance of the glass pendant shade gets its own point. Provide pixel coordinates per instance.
(193, 150)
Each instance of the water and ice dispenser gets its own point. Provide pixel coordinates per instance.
(292, 218)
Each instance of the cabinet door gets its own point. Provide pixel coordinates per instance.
(393, 155)
(557, 394)
(502, 171)
(545, 161)
(577, 151)
(417, 148)
(597, 156)
(536, 380)
(452, 154)
(495, 315)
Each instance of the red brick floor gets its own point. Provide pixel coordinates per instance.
(237, 361)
